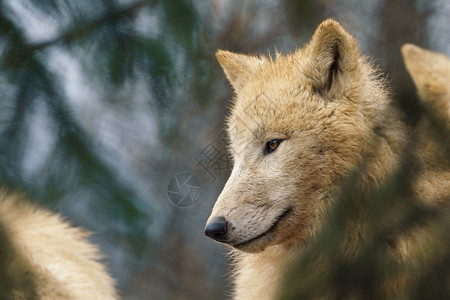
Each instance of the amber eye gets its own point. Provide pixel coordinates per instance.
(271, 146)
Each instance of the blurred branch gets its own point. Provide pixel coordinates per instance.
(70, 35)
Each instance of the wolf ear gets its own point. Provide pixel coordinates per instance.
(430, 72)
(238, 68)
(334, 59)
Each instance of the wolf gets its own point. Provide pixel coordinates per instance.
(299, 125)
(44, 257)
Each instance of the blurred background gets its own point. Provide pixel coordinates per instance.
(107, 107)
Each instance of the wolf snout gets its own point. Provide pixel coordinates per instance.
(217, 229)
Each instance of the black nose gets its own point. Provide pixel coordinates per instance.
(217, 229)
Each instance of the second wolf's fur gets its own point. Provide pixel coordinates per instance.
(430, 72)
(329, 114)
(43, 257)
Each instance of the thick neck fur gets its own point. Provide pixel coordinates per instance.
(257, 275)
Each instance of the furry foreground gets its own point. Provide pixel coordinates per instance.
(43, 257)
(300, 125)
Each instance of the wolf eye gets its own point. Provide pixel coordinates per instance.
(271, 146)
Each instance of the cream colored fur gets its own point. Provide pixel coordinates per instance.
(430, 72)
(50, 259)
(331, 110)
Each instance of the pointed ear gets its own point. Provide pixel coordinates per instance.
(334, 59)
(430, 72)
(238, 68)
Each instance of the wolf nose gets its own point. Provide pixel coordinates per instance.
(217, 229)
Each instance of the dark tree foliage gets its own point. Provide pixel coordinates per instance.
(325, 270)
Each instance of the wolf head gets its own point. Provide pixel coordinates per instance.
(298, 125)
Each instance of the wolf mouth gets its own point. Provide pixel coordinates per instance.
(274, 225)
